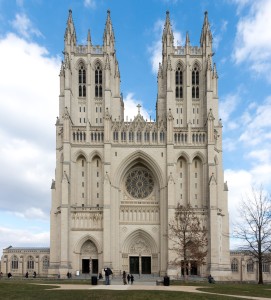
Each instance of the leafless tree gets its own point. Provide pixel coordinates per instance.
(188, 236)
(254, 226)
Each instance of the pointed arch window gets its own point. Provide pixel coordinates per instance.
(234, 265)
(30, 263)
(179, 83)
(195, 82)
(14, 262)
(82, 80)
(98, 81)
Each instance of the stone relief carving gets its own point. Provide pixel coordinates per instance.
(89, 248)
(140, 247)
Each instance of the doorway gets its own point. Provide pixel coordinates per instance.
(85, 266)
(140, 264)
(146, 265)
(134, 264)
(95, 266)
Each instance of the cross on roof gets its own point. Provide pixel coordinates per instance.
(138, 106)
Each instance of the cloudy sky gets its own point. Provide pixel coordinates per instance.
(31, 45)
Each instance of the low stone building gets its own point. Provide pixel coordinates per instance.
(245, 267)
(20, 260)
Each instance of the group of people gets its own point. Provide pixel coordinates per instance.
(27, 274)
(127, 278)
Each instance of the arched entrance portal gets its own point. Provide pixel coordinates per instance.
(89, 258)
(139, 255)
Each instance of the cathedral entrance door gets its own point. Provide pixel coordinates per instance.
(134, 264)
(146, 264)
(85, 266)
(95, 266)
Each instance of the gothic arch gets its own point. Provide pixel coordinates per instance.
(96, 62)
(95, 153)
(79, 62)
(196, 63)
(184, 155)
(79, 153)
(141, 236)
(200, 156)
(133, 159)
(181, 64)
(80, 243)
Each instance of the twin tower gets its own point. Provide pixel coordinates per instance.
(117, 183)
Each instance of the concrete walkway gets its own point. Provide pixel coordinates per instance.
(186, 289)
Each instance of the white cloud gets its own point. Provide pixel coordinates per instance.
(28, 109)
(253, 38)
(228, 105)
(131, 110)
(24, 26)
(258, 129)
(90, 3)
(23, 238)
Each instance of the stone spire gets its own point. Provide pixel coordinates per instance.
(206, 35)
(109, 37)
(187, 40)
(70, 34)
(167, 38)
(89, 38)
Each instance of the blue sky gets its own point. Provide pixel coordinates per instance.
(31, 45)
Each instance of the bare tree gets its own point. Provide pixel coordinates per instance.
(189, 238)
(254, 227)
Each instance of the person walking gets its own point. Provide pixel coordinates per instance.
(106, 274)
(128, 278)
(124, 277)
(132, 279)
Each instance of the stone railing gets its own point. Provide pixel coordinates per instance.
(180, 50)
(194, 137)
(86, 217)
(83, 49)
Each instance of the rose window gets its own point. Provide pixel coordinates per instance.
(139, 183)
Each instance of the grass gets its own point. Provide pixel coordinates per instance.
(24, 290)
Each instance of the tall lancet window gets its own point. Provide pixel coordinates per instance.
(179, 82)
(195, 83)
(82, 80)
(98, 81)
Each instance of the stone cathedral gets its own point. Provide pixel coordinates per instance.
(118, 182)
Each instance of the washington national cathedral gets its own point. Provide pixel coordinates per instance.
(118, 182)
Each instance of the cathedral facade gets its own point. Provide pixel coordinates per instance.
(118, 182)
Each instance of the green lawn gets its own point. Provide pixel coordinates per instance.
(23, 289)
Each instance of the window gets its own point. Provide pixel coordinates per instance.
(98, 195)
(250, 266)
(97, 163)
(45, 263)
(98, 81)
(195, 83)
(83, 184)
(83, 174)
(266, 267)
(97, 174)
(14, 262)
(30, 262)
(82, 80)
(179, 83)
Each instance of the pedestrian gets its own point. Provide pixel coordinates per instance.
(128, 278)
(106, 274)
(132, 279)
(34, 274)
(211, 279)
(26, 275)
(9, 275)
(124, 277)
